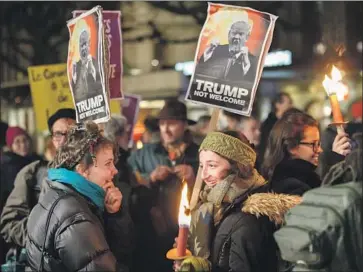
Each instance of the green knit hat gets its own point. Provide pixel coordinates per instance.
(229, 147)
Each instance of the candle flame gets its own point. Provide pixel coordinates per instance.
(327, 84)
(334, 85)
(184, 209)
(335, 74)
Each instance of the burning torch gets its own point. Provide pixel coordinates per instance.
(335, 88)
(181, 252)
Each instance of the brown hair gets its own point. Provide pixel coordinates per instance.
(81, 146)
(285, 135)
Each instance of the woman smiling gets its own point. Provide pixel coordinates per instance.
(233, 223)
(79, 223)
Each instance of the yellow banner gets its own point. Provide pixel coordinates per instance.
(50, 92)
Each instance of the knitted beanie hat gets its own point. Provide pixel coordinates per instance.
(229, 147)
(12, 133)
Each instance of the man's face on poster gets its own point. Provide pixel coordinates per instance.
(237, 36)
(84, 45)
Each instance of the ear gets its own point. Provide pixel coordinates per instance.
(80, 169)
(294, 151)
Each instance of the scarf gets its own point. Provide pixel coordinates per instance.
(83, 186)
(209, 212)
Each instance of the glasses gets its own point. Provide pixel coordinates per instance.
(314, 145)
(58, 134)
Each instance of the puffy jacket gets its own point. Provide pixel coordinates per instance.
(243, 241)
(79, 237)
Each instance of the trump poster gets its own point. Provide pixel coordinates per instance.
(87, 66)
(112, 25)
(230, 56)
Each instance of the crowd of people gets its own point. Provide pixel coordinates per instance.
(92, 204)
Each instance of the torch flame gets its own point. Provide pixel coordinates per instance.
(184, 209)
(335, 74)
(327, 84)
(334, 85)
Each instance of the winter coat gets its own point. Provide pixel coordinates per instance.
(11, 164)
(79, 237)
(22, 199)
(244, 239)
(294, 177)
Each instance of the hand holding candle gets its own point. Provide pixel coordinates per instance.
(334, 87)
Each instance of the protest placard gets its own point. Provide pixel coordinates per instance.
(130, 109)
(50, 91)
(112, 25)
(87, 66)
(229, 58)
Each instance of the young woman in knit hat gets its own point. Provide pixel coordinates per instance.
(79, 223)
(233, 222)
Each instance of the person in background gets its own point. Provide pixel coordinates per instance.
(230, 120)
(49, 149)
(280, 104)
(79, 224)
(152, 132)
(160, 168)
(250, 127)
(29, 183)
(292, 154)
(200, 130)
(19, 155)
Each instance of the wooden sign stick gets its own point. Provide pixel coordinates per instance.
(198, 182)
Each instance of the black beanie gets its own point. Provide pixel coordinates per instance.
(61, 113)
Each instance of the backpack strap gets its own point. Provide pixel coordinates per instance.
(62, 195)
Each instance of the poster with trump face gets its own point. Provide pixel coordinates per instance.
(230, 56)
(87, 66)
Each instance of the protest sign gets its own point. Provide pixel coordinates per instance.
(112, 25)
(130, 109)
(50, 91)
(230, 56)
(87, 66)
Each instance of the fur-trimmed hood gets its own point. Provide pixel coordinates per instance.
(272, 205)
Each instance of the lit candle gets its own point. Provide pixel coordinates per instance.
(184, 217)
(184, 222)
(334, 86)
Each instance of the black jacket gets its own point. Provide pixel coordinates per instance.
(294, 177)
(266, 128)
(244, 239)
(11, 164)
(216, 65)
(79, 236)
